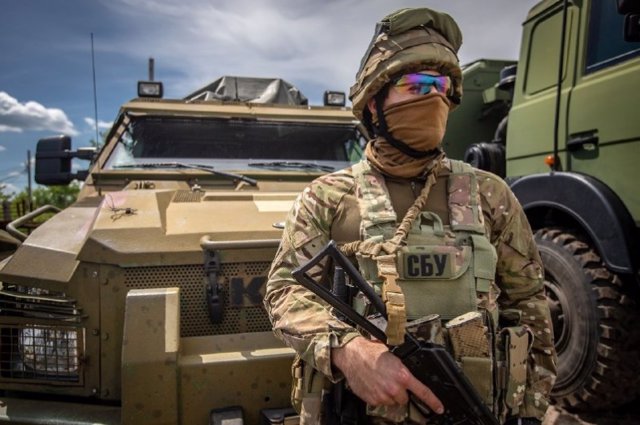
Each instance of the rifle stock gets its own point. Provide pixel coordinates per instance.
(429, 363)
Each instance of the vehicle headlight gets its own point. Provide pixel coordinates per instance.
(44, 350)
(42, 339)
(334, 98)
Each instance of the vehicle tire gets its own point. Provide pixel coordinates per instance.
(595, 325)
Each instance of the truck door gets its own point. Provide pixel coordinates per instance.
(530, 134)
(603, 127)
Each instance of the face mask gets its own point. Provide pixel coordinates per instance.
(421, 122)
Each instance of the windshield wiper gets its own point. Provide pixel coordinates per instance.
(208, 168)
(292, 164)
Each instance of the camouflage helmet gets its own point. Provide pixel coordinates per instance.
(408, 40)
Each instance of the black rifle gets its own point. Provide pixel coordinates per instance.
(429, 363)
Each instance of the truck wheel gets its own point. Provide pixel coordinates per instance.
(594, 323)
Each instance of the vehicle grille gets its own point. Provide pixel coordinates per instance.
(194, 316)
(41, 339)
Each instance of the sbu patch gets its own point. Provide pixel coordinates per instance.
(426, 265)
(433, 262)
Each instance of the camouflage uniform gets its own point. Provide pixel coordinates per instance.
(328, 209)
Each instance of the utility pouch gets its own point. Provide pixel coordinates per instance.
(471, 348)
(306, 392)
(468, 336)
(479, 370)
(297, 391)
(516, 344)
(427, 329)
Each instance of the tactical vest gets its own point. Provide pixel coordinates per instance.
(443, 268)
(448, 270)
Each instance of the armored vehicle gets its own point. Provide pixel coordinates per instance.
(8, 244)
(570, 147)
(142, 302)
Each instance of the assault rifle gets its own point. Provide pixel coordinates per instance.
(430, 363)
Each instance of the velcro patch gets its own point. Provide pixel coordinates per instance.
(433, 262)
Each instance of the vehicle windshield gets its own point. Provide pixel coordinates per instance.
(232, 144)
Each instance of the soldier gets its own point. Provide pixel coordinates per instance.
(431, 234)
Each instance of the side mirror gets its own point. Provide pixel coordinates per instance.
(628, 6)
(632, 27)
(487, 156)
(53, 161)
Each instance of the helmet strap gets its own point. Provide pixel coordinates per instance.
(398, 144)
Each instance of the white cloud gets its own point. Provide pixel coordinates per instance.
(23, 164)
(6, 129)
(8, 188)
(101, 124)
(2, 148)
(310, 43)
(32, 116)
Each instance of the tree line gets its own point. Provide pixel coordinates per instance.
(15, 205)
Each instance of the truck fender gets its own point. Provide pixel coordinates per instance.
(592, 204)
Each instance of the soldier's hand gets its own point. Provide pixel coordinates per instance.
(378, 377)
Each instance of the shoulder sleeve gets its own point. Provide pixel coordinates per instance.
(519, 276)
(299, 318)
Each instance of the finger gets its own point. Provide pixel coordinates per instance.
(426, 395)
(400, 395)
(385, 395)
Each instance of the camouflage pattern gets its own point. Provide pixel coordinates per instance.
(463, 213)
(468, 336)
(450, 288)
(427, 329)
(408, 40)
(375, 209)
(516, 340)
(328, 209)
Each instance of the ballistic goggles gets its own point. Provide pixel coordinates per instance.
(421, 84)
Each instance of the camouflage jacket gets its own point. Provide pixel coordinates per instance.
(328, 209)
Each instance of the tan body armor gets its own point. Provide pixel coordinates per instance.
(442, 269)
(447, 270)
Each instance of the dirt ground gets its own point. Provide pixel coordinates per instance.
(627, 415)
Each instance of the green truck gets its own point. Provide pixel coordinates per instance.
(562, 127)
(141, 303)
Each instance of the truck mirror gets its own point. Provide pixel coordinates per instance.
(487, 156)
(632, 27)
(628, 6)
(53, 161)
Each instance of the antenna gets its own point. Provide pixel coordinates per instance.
(95, 96)
(151, 63)
(95, 110)
(29, 192)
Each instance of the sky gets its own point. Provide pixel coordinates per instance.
(46, 72)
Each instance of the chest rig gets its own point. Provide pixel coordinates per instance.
(436, 268)
(423, 267)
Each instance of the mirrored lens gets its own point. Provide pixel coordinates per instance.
(422, 83)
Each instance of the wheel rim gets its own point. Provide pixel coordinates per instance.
(558, 303)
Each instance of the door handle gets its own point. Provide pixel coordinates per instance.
(586, 140)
